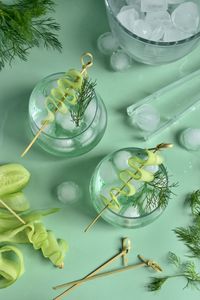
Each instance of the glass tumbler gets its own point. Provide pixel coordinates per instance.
(144, 50)
(134, 211)
(62, 137)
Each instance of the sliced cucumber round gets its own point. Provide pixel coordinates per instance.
(13, 177)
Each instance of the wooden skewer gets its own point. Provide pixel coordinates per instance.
(12, 212)
(85, 66)
(123, 252)
(34, 139)
(147, 263)
(155, 149)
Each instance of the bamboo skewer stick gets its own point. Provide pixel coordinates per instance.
(147, 263)
(12, 212)
(122, 253)
(155, 149)
(85, 66)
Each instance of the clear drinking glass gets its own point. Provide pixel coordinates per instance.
(135, 211)
(63, 137)
(143, 50)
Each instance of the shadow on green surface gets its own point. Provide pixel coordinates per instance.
(79, 170)
(15, 111)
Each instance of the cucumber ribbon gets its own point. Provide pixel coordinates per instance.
(136, 172)
(33, 232)
(11, 265)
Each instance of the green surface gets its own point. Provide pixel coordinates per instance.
(82, 22)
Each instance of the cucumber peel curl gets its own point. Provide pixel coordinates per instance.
(13, 178)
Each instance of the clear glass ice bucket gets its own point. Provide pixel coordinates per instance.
(67, 142)
(143, 50)
(104, 178)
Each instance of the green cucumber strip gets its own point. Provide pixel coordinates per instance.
(11, 265)
(16, 201)
(13, 178)
(33, 232)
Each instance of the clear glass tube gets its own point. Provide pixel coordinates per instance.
(171, 103)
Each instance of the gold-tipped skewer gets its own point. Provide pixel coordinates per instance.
(157, 148)
(85, 66)
(12, 212)
(124, 251)
(144, 262)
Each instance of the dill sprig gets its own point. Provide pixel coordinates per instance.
(158, 192)
(190, 235)
(194, 202)
(186, 270)
(25, 25)
(85, 95)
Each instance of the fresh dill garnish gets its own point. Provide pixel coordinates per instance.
(191, 237)
(186, 270)
(85, 95)
(194, 202)
(25, 25)
(159, 191)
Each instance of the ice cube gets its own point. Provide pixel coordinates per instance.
(107, 43)
(65, 121)
(127, 17)
(133, 4)
(50, 129)
(63, 145)
(158, 19)
(120, 159)
(157, 34)
(68, 192)
(153, 5)
(190, 138)
(120, 61)
(39, 118)
(142, 29)
(107, 172)
(173, 34)
(153, 169)
(39, 101)
(90, 111)
(146, 117)
(86, 137)
(131, 212)
(186, 17)
(175, 1)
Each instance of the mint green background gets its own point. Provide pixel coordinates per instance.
(82, 22)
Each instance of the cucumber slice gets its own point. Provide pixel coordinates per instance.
(13, 177)
(16, 201)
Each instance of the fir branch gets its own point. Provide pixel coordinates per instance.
(85, 95)
(24, 26)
